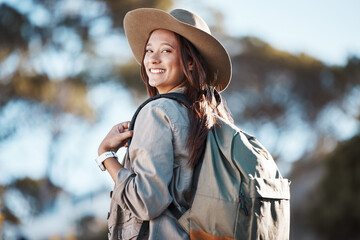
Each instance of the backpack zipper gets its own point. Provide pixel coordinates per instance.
(242, 203)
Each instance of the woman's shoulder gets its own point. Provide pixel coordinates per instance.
(165, 108)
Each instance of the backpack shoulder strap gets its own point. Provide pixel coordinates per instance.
(179, 97)
(172, 208)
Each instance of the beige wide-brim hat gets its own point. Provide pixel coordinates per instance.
(139, 23)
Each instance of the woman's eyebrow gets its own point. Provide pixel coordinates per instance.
(168, 44)
(165, 43)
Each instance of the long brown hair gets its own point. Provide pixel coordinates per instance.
(201, 96)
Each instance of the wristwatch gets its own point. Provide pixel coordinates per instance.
(100, 159)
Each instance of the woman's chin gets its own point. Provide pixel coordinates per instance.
(154, 83)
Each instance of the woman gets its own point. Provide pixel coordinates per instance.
(177, 53)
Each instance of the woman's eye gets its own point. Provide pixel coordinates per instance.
(166, 51)
(148, 51)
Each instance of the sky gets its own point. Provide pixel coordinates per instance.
(326, 29)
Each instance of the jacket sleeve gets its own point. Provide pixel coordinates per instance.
(144, 189)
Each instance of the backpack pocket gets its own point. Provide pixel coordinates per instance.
(277, 188)
(267, 204)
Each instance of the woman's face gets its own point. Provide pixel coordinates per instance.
(162, 61)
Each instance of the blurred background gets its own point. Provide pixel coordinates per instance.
(67, 76)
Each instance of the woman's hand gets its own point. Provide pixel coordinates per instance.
(116, 138)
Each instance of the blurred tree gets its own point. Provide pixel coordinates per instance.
(274, 87)
(5, 212)
(24, 39)
(268, 86)
(40, 194)
(131, 73)
(118, 9)
(24, 81)
(50, 56)
(90, 228)
(11, 22)
(274, 82)
(336, 211)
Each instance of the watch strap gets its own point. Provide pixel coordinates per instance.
(100, 159)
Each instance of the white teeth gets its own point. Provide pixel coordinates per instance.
(157, 70)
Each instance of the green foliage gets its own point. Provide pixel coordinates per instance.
(5, 213)
(62, 96)
(132, 79)
(336, 213)
(25, 82)
(89, 228)
(11, 24)
(272, 83)
(40, 194)
(29, 51)
(118, 9)
(25, 39)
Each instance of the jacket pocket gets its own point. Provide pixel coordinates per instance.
(129, 228)
(122, 224)
(112, 220)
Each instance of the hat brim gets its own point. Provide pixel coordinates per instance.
(139, 23)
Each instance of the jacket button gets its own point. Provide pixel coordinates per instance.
(108, 216)
(111, 193)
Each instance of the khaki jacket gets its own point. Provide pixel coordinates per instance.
(155, 174)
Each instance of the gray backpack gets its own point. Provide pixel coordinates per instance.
(239, 192)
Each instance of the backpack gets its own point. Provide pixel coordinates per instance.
(238, 190)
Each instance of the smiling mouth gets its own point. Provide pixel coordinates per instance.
(157, 70)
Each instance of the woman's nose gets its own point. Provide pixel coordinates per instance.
(154, 58)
